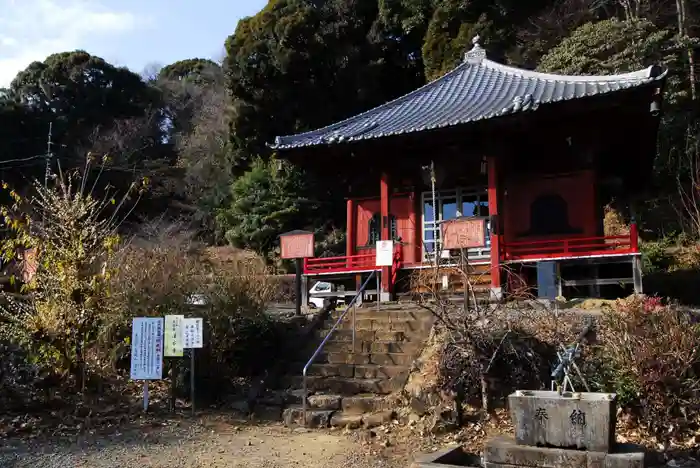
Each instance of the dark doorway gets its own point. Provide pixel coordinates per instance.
(549, 215)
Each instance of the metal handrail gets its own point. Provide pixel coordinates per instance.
(335, 326)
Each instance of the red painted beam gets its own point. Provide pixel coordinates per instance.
(385, 229)
(492, 193)
(350, 231)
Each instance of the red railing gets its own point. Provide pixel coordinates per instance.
(572, 247)
(349, 263)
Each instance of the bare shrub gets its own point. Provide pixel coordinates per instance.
(650, 356)
(166, 272)
(614, 223)
(492, 354)
(646, 352)
(490, 349)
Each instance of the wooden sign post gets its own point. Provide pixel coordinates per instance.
(193, 338)
(297, 245)
(463, 233)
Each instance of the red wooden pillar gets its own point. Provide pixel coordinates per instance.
(415, 241)
(350, 232)
(494, 212)
(385, 228)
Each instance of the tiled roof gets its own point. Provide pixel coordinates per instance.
(477, 89)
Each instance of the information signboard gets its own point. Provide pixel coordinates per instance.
(464, 233)
(173, 335)
(147, 348)
(193, 333)
(385, 253)
(297, 244)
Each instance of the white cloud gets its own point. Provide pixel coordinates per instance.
(31, 30)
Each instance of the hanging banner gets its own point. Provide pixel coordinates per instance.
(385, 253)
(147, 348)
(193, 333)
(173, 335)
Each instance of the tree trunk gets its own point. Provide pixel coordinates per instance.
(485, 397)
(681, 13)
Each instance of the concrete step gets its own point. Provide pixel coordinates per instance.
(364, 335)
(315, 418)
(332, 370)
(387, 359)
(381, 372)
(384, 314)
(294, 415)
(370, 371)
(364, 404)
(421, 327)
(324, 402)
(345, 385)
(405, 347)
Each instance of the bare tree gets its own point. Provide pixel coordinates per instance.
(684, 36)
(198, 113)
(688, 182)
(481, 335)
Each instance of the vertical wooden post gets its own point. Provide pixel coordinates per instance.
(385, 229)
(637, 274)
(358, 286)
(305, 293)
(350, 232)
(412, 241)
(192, 396)
(634, 237)
(174, 372)
(297, 286)
(494, 213)
(634, 246)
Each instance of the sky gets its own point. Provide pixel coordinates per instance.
(139, 34)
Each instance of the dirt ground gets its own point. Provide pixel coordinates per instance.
(208, 442)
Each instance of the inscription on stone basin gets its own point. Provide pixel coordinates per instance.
(579, 420)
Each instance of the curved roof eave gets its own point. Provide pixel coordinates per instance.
(477, 89)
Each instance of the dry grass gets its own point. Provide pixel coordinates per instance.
(614, 223)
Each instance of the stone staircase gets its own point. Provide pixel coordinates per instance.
(346, 387)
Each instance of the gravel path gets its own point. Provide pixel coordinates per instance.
(206, 443)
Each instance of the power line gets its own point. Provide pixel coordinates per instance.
(7, 161)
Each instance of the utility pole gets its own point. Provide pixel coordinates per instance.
(49, 155)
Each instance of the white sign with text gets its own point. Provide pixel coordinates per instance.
(147, 348)
(385, 253)
(193, 333)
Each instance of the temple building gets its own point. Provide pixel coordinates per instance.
(515, 166)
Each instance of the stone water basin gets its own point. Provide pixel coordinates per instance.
(583, 421)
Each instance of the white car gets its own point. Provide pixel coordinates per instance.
(321, 287)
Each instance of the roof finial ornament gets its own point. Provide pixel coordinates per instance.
(477, 53)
